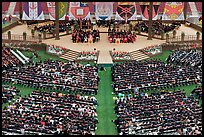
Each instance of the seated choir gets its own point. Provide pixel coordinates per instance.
(80, 36)
(121, 37)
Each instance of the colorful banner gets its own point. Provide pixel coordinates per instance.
(62, 10)
(126, 11)
(145, 12)
(173, 11)
(79, 10)
(103, 10)
(32, 11)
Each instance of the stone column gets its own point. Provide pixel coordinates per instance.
(150, 22)
(185, 10)
(57, 21)
(21, 10)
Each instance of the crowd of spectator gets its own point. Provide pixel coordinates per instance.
(9, 59)
(121, 36)
(81, 36)
(48, 113)
(160, 113)
(55, 75)
(8, 93)
(191, 58)
(197, 92)
(151, 74)
(49, 27)
(157, 26)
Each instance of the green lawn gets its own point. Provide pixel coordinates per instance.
(25, 91)
(42, 56)
(105, 110)
(162, 56)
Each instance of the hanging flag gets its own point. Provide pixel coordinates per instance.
(63, 6)
(79, 10)
(51, 10)
(126, 11)
(145, 11)
(104, 10)
(173, 11)
(32, 11)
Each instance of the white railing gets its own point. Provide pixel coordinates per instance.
(18, 56)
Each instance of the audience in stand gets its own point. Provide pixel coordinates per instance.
(160, 113)
(121, 37)
(9, 59)
(55, 75)
(48, 113)
(157, 26)
(151, 74)
(85, 36)
(49, 28)
(186, 58)
(197, 92)
(8, 93)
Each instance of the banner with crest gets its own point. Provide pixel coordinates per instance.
(32, 11)
(62, 10)
(103, 10)
(145, 10)
(126, 11)
(173, 11)
(79, 10)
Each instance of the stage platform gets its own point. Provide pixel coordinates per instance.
(104, 46)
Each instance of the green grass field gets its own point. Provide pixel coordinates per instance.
(162, 56)
(105, 109)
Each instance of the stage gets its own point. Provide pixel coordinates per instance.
(104, 46)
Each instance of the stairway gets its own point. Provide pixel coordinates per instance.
(193, 9)
(11, 8)
(70, 55)
(138, 55)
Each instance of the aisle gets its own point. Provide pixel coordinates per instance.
(105, 109)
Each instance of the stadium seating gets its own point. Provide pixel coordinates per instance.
(46, 113)
(8, 93)
(152, 74)
(160, 113)
(8, 59)
(54, 75)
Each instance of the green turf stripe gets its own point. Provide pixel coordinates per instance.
(105, 110)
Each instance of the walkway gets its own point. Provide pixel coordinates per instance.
(105, 109)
